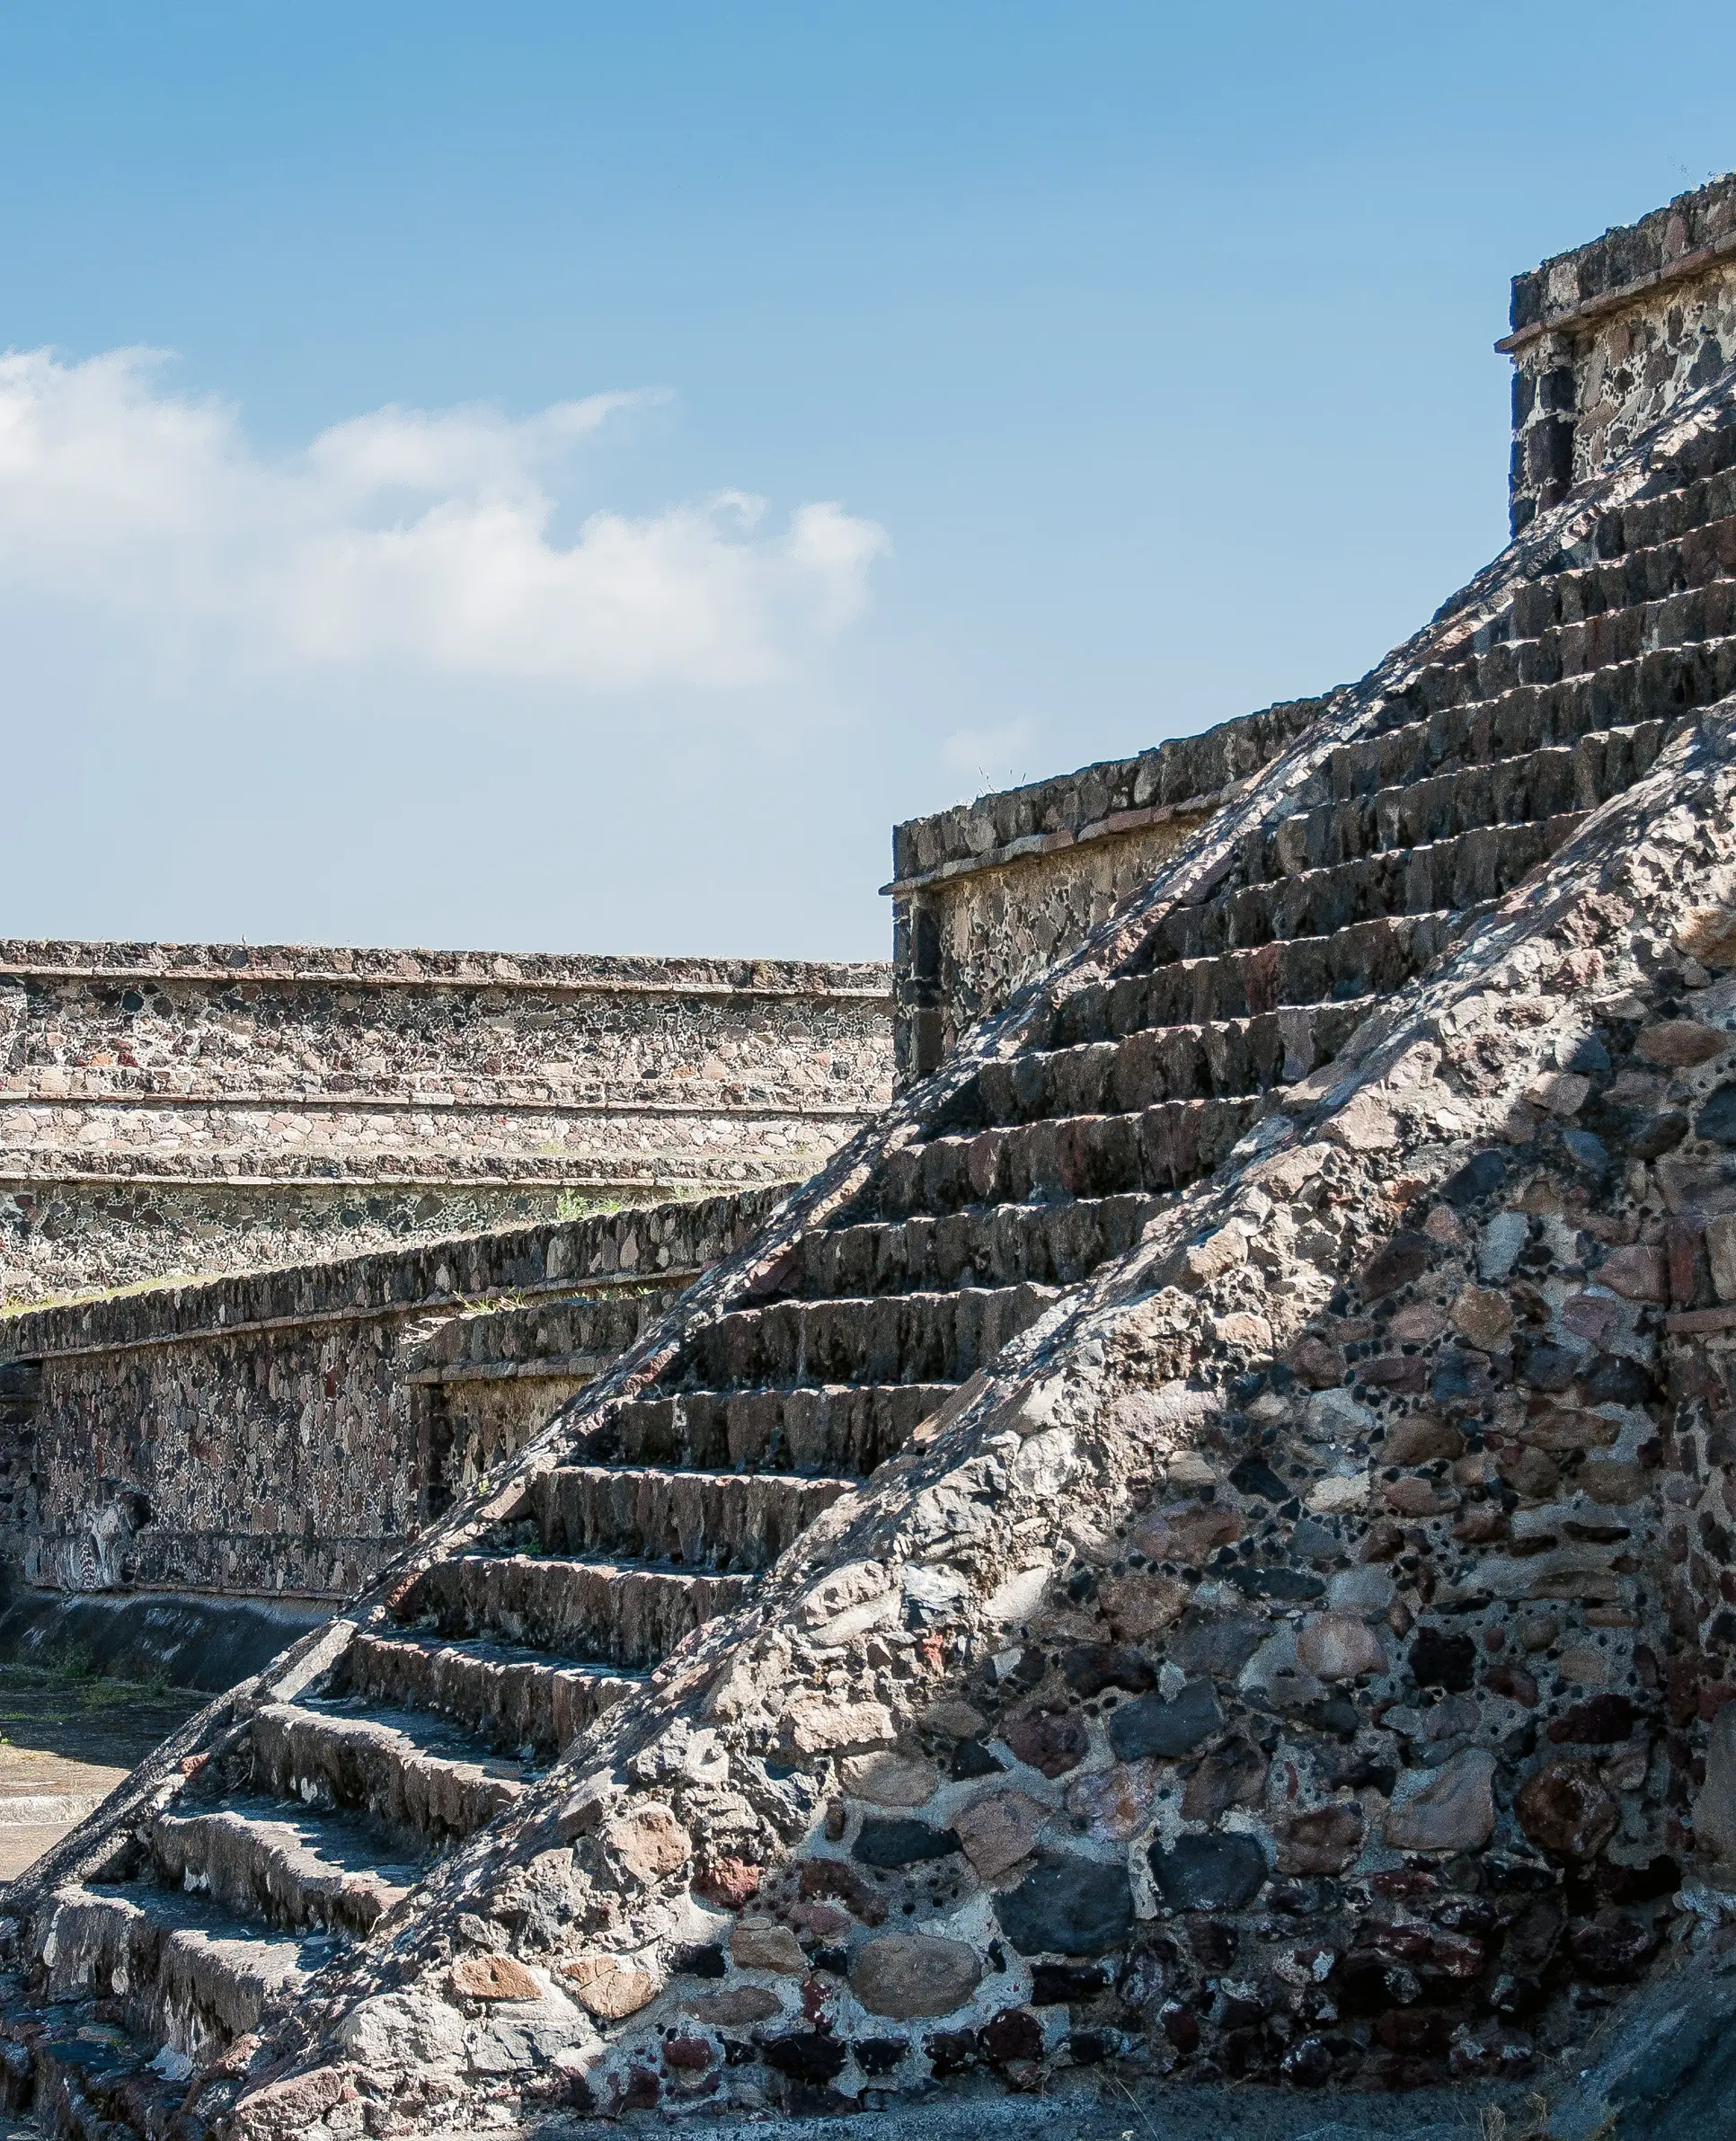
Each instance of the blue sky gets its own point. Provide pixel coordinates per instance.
(605, 464)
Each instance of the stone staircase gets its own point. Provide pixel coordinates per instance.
(149, 1983)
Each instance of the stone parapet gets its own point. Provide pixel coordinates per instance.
(1606, 338)
(987, 895)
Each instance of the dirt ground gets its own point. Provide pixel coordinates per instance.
(66, 1742)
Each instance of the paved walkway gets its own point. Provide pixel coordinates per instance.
(64, 1743)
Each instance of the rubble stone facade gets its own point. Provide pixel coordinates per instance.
(1198, 1549)
(285, 1434)
(195, 1110)
(988, 895)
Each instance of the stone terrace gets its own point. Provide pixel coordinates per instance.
(197, 1109)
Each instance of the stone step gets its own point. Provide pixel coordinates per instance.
(1370, 959)
(1165, 1147)
(1645, 572)
(1440, 806)
(1687, 494)
(1222, 1059)
(832, 1428)
(294, 1869)
(184, 1972)
(1576, 648)
(994, 1245)
(1528, 717)
(1477, 867)
(504, 1697)
(618, 1612)
(417, 1776)
(901, 1337)
(97, 2085)
(699, 1520)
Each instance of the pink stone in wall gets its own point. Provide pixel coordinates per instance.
(1637, 1274)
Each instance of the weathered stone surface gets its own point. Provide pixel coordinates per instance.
(1422, 1440)
(1051, 1741)
(1322, 1841)
(1565, 1809)
(1679, 1044)
(1068, 1905)
(493, 1977)
(1112, 1803)
(608, 1987)
(909, 1976)
(760, 1945)
(1156, 1726)
(1449, 1808)
(1714, 1807)
(1208, 1873)
(815, 1726)
(1636, 1273)
(1335, 1647)
(1483, 1316)
(888, 1780)
(732, 2008)
(998, 1831)
(648, 1842)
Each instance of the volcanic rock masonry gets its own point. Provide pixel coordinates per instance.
(1199, 1545)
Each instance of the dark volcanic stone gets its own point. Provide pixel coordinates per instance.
(1717, 1120)
(1590, 1152)
(1276, 1583)
(1215, 1646)
(1051, 1741)
(1093, 1666)
(1059, 1984)
(1090, 2048)
(1600, 1722)
(971, 1758)
(1615, 1945)
(1151, 1726)
(1461, 1378)
(1015, 2033)
(879, 2054)
(1657, 1135)
(1548, 1367)
(1254, 1477)
(809, 2057)
(1477, 1179)
(1068, 1905)
(894, 1840)
(1219, 1873)
(951, 2049)
(1442, 1660)
(1405, 1257)
(1616, 1381)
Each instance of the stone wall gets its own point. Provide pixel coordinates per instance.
(284, 1433)
(988, 895)
(192, 1110)
(1607, 337)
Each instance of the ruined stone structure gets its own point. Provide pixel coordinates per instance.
(990, 894)
(1198, 1547)
(284, 1435)
(191, 1110)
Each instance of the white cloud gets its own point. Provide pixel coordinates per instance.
(419, 541)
